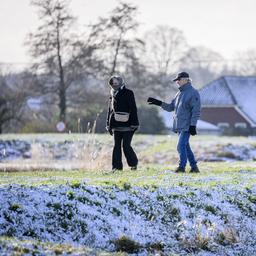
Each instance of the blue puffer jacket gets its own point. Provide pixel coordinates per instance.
(186, 106)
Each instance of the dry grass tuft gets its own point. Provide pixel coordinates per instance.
(228, 236)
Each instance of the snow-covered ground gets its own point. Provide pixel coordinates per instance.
(52, 153)
(183, 220)
(97, 151)
(230, 152)
(176, 215)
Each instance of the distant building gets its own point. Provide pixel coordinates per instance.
(230, 103)
(202, 126)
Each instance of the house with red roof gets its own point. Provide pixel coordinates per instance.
(230, 103)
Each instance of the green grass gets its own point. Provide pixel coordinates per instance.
(35, 247)
(157, 155)
(212, 174)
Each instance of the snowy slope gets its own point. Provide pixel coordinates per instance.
(183, 219)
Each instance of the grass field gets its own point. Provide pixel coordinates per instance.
(218, 204)
(212, 174)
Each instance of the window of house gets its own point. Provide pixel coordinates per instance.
(240, 125)
(223, 125)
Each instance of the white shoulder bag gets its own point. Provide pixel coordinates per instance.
(121, 116)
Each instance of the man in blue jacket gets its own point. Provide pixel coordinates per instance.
(186, 107)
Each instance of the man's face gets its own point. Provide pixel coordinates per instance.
(181, 82)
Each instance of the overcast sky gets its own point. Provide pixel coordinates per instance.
(225, 26)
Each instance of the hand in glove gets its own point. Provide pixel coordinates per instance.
(109, 130)
(192, 130)
(154, 101)
(134, 127)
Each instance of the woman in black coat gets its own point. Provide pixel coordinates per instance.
(122, 122)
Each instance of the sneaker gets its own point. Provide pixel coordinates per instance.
(179, 169)
(133, 168)
(194, 170)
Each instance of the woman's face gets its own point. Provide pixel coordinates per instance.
(115, 84)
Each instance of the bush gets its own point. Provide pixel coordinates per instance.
(150, 121)
(91, 120)
(38, 127)
(231, 131)
(126, 244)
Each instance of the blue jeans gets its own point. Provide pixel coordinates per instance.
(184, 150)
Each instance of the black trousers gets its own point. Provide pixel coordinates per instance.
(123, 139)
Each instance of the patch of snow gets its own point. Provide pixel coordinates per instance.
(181, 218)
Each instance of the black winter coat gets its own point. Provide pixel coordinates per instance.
(124, 101)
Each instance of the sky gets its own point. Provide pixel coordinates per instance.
(224, 26)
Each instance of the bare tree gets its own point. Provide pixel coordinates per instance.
(246, 63)
(111, 35)
(165, 46)
(136, 74)
(15, 90)
(203, 64)
(51, 46)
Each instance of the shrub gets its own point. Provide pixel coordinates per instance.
(150, 121)
(211, 209)
(15, 207)
(252, 199)
(126, 186)
(226, 154)
(75, 184)
(125, 244)
(37, 126)
(70, 195)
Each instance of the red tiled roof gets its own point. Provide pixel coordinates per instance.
(236, 91)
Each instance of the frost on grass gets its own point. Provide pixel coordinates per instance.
(92, 151)
(132, 219)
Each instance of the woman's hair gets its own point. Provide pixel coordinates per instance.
(119, 78)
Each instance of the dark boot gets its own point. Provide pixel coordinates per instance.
(179, 169)
(194, 170)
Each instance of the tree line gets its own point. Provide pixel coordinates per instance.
(67, 81)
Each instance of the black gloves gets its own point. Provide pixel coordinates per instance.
(154, 101)
(192, 130)
(134, 127)
(109, 130)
